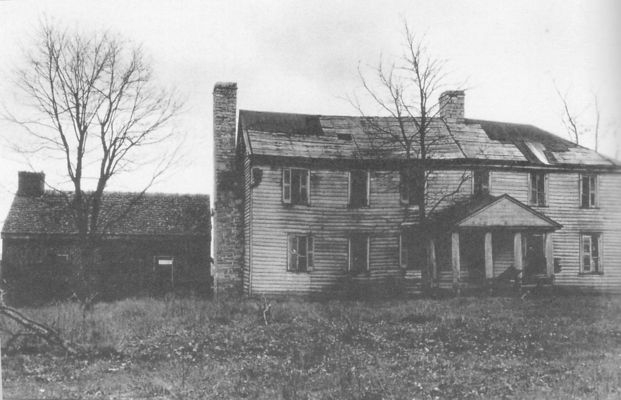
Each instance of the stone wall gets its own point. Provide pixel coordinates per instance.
(228, 219)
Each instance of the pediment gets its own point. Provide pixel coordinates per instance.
(507, 212)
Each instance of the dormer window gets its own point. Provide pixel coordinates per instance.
(480, 182)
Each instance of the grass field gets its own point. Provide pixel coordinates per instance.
(458, 348)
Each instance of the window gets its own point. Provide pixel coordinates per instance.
(164, 272)
(164, 261)
(591, 252)
(358, 253)
(301, 253)
(480, 182)
(537, 189)
(412, 252)
(410, 183)
(588, 191)
(295, 184)
(358, 188)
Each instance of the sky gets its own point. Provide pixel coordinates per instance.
(303, 56)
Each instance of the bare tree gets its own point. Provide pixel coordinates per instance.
(95, 106)
(407, 91)
(573, 120)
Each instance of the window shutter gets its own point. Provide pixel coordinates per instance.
(404, 188)
(286, 185)
(403, 255)
(530, 188)
(367, 261)
(586, 253)
(546, 189)
(349, 188)
(581, 199)
(310, 254)
(292, 253)
(349, 255)
(368, 203)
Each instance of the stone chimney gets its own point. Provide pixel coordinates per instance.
(228, 218)
(452, 105)
(31, 184)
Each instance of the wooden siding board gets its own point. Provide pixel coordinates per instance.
(330, 221)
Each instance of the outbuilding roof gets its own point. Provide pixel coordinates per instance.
(122, 213)
(358, 137)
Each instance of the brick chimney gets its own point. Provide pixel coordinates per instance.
(31, 184)
(228, 219)
(452, 105)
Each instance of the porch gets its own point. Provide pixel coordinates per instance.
(480, 258)
(490, 239)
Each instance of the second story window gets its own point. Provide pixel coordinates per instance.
(295, 185)
(480, 182)
(358, 253)
(537, 195)
(588, 191)
(358, 188)
(411, 183)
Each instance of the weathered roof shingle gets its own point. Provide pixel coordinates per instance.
(122, 214)
(348, 137)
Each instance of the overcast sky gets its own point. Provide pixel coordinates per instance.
(302, 56)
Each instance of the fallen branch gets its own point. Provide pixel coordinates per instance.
(46, 333)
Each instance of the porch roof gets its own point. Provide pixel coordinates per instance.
(494, 212)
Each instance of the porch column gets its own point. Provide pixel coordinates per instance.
(433, 266)
(455, 259)
(517, 251)
(489, 260)
(549, 254)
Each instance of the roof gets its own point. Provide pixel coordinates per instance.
(357, 137)
(123, 213)
(489, 211)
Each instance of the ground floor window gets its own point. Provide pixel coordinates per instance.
(412, 252)
(164, 270)
(358, 253)
(591, 260)
(301, 253)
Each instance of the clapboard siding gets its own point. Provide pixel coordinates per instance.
(330, 221)
(247, 224)
(564, 207)
(513, 183)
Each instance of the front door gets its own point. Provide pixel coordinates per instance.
(534, 254)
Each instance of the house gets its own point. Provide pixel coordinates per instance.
(152, 243)
(300, 208)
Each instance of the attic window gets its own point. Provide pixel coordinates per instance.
(344, 136)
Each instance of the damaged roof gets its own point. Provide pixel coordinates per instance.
(358, 137)
(122, 213)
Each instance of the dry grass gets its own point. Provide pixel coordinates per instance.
(487, 347)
